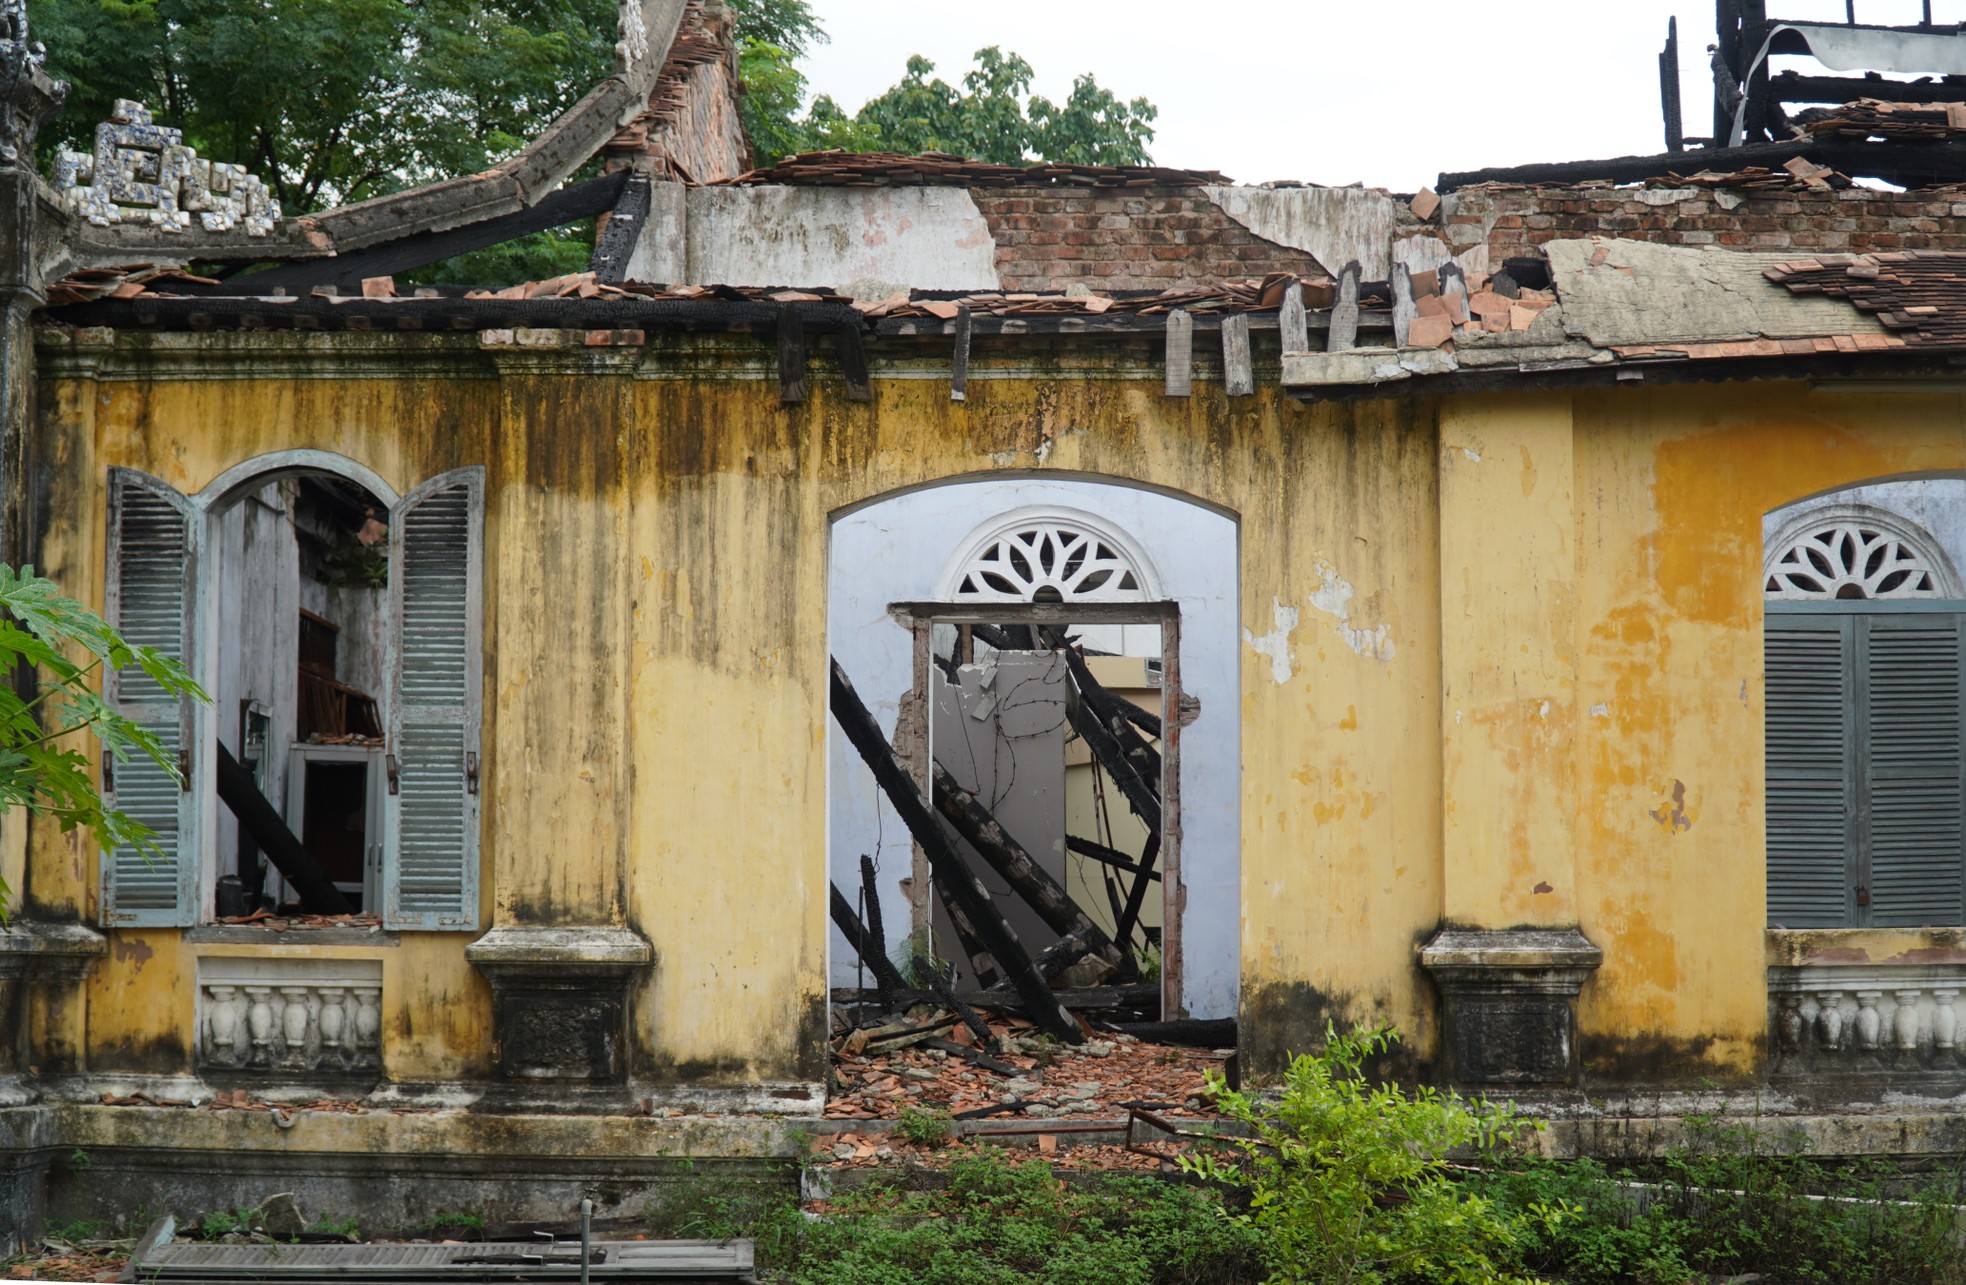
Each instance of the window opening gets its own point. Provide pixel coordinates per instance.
(302, 567)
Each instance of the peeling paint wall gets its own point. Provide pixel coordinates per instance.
(870, 240)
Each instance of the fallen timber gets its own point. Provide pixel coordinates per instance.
(954, 880)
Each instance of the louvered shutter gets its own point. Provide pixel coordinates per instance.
(153, 540)
(1811, 781)
(1911, 818)
(430, 876)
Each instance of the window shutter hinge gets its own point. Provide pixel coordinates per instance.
(471, 773)
(395, 773)
(1863, 896)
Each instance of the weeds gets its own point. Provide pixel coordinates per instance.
(924, 1127)
(453, 1225)
(73, 1232)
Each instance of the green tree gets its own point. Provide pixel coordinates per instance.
(43, 768)
(330, 100)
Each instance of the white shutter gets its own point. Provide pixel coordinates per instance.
(430, 874)
(153, 539)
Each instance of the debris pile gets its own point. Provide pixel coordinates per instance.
(1868, 118)
(1030, 1076)
(1919, 294)
(1797, 173)
(1449, 303)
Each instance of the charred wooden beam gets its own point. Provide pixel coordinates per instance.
(940, 985)
(259, 818)
(852, 352)
(1669, 87)
(1075, 998)
(1134, 765)
(1105, 856)
(565, 206)
(791, 357)
(1136, 897)
(1063, 953)
(870, 894)
(1200, 1033)
(626, 222)
(892, 983)
(1019, 869)
(954, 880)
(1790, 87)
(1905, 164)
(981, 962)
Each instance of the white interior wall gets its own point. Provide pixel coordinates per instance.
(896, 549)
(257, 566)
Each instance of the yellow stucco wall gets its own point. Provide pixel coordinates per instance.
(1503, 666)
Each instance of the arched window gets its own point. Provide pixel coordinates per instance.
(1865, 658)
(1856, 552)
(1049, 555)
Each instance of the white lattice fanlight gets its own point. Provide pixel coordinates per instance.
(1856, 552)
(1049, 555)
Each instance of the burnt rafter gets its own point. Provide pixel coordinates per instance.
(568, 205)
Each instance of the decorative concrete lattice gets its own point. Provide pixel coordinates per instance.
(141, 172)
(1020, 563)
(1854, 557)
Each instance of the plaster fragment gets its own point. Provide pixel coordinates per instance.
(1601, 710)
(1276, 643)
(1471, 454)
(1333, 597)
(1543, 710)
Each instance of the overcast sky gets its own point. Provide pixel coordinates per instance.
(1388, 92)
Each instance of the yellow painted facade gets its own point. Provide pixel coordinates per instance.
(1539, 706)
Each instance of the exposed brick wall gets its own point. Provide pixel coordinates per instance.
(1854, 221)
(1124, 239)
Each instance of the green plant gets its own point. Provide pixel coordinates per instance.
(993, 1223)
(1351, 1180)
(454, 1225)
(1728, 1205)
(924, 1127)
(78, 1159)
(336, 1227)
(41, 768)
(74, 1231)
(223, 1222)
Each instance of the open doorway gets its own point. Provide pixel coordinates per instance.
(301, 570)
(1048, 740)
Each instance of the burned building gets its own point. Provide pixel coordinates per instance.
(1526, 612)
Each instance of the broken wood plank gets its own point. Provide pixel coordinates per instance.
(1238, 371)
(1031, 881)
(238, 791)
(791, 357)
(1293, 322)
(1343, 331)
(623, 231)
(975, 1057)
(954, 880)
(924, 967)
(1180, 353)
(1063, 954)
(959, 360)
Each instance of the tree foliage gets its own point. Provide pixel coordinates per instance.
(330, 100)
(42, 764)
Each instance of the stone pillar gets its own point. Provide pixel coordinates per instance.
(31, 954)
(1510, 957)
(560, 1001)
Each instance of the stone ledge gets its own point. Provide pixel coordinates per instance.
(1507, 948)
(580, 948)
(45, 949)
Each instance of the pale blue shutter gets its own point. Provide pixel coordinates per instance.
(153, 537)
(1912, 818)
(430, 871)
(1811, 785)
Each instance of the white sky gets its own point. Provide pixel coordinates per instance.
(1388, 92)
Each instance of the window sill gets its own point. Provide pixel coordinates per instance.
(262, 934)
(1804, 947)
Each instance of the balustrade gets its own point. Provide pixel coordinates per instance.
(290, 1016)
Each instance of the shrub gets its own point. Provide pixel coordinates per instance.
(1350, 1180)
(924, 1127)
